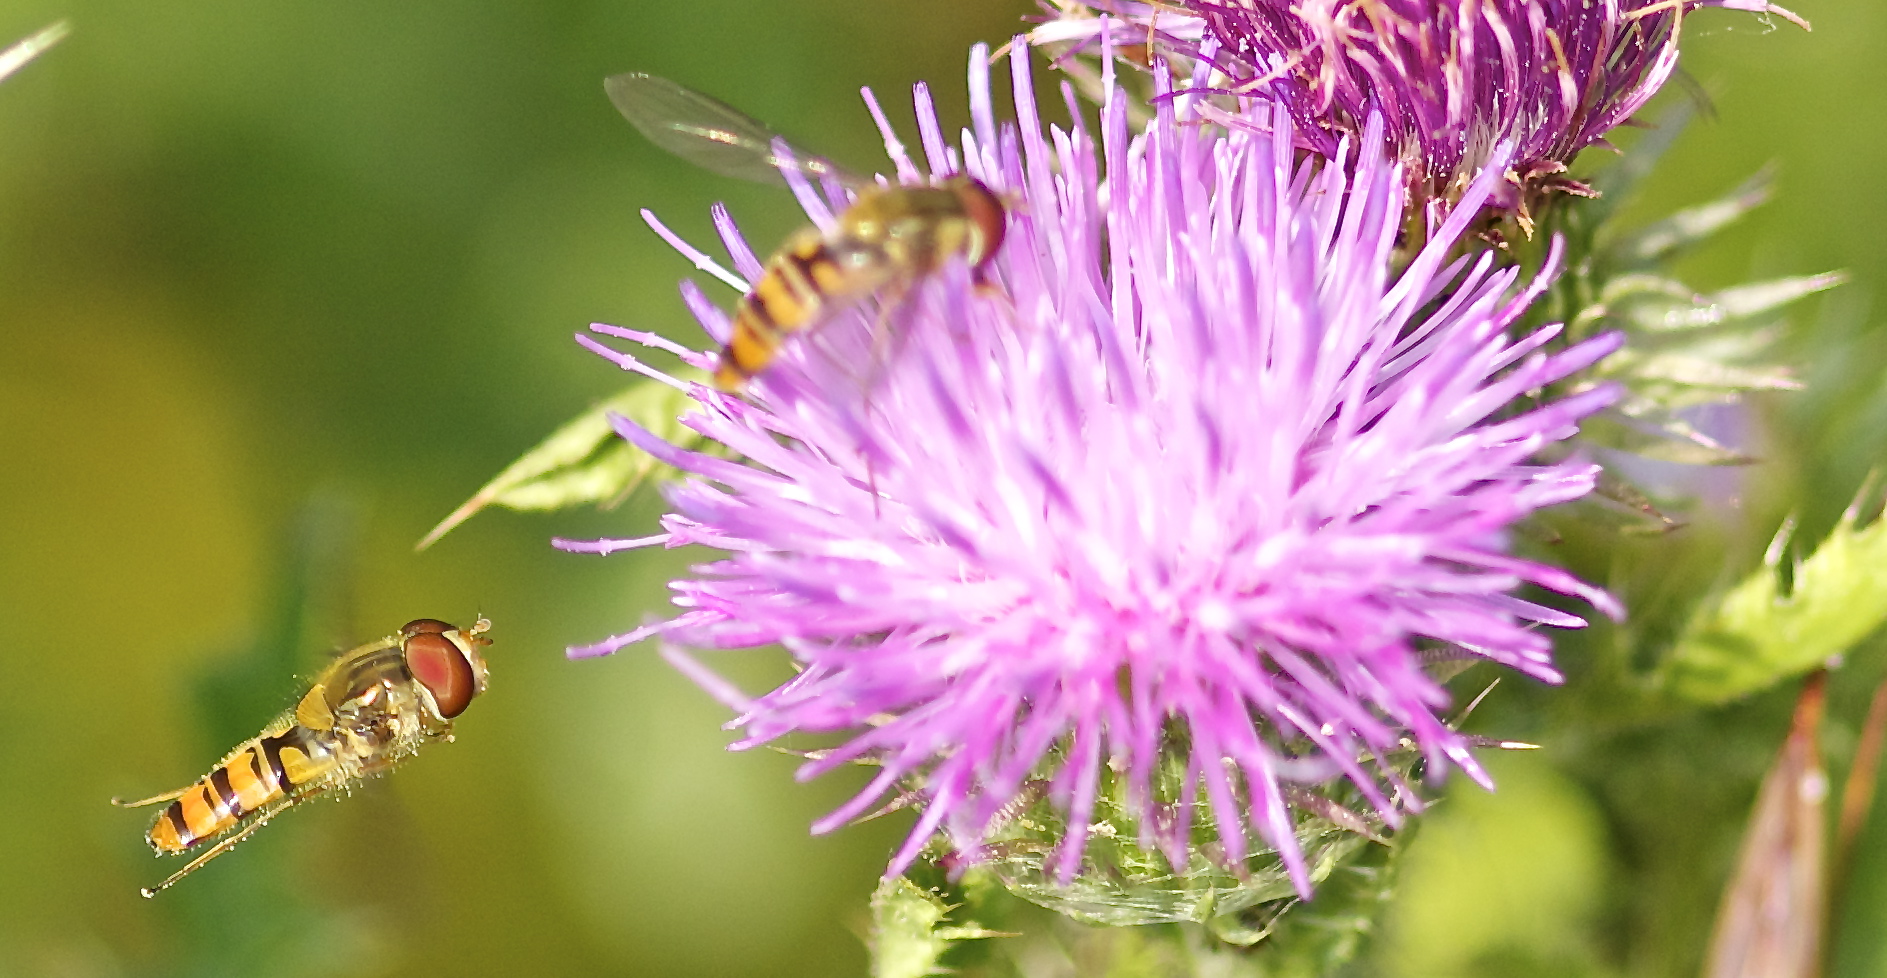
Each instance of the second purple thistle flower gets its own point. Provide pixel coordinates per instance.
(1202, 464)
(1450, 79)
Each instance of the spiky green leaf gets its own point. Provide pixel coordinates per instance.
(1316, 938)
(1122, 881)
(1690, 226)
(908, 934)
(584, 461)
(1685, 349)
(1661, 438)
(1762, 631)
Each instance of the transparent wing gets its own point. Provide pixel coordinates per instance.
(712, 134)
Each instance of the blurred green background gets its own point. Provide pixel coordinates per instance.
(281, 284)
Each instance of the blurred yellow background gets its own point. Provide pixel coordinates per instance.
(282, 284)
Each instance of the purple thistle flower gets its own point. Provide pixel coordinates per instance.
(1204, 461)
(1451, 79)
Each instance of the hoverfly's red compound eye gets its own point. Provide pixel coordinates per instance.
(440, 666)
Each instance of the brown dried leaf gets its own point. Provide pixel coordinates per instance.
(1771, 920)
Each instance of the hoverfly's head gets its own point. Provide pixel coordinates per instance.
(445, 660)
(987, 214)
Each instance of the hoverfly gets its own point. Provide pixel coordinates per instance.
(374, 706)
(890, 236)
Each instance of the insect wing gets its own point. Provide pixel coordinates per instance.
(710, 133)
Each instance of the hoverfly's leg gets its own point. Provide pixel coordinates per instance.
(981, 282)
(986, 287)
(261, 819)
(883, 335)
(882, 338)
(376, 768)
(154, 799)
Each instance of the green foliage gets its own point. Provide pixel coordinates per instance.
(1123, 881)
(1685, 349)
(1212, 915)
(585, 461)
(1318, 937)
(908, 934)
(1263, 941)
(1771, 627)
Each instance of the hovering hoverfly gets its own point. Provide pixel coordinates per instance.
(374, 706)
(890, 236)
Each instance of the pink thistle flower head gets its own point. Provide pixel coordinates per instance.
(1203, 465)
(1451, 80)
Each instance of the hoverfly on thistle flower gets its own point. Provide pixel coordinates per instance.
(890, 237)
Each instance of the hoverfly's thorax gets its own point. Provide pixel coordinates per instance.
(870, 218)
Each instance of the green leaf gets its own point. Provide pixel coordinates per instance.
(1633, 511)
(907, 936)
(1762, 631)
(1122, 882)
(1691, 225)
(1759, 298)
(1636, 286)
(1695, 370)
(585, 461)
(1617, 182)
(1315, 938)
(1656, 304)
(1663, 439)
(1685, 349)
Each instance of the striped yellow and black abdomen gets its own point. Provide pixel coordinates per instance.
(889, 235)
(254, 775)
(802, 282)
